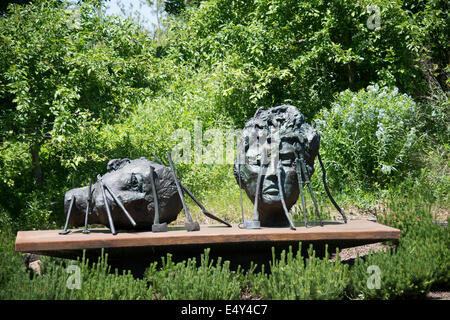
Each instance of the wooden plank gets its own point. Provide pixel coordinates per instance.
(50, 240)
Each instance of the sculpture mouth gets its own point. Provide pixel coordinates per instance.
(271, 189)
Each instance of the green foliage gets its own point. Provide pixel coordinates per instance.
(186, 281)
(96, 281)
(408, 272)
(369, 136)
(10, 262)
(419, 263)
(304, 52)
(57, 70)
(435, 117)
(63, 72)
(293, 277)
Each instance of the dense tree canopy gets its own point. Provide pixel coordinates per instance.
(305, 51)
(78, 88)
(61, 67)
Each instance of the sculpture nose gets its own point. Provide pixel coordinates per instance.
(272, 165)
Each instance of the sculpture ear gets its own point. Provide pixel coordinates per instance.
(116, 164)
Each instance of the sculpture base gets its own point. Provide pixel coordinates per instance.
(136, 250)
(252, 224)
(160, 227)
(192, 226)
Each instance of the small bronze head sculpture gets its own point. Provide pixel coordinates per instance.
(134, 194)
(131, 181)
(275, 160)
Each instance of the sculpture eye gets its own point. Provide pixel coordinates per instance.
(286, 159)
(136, 182)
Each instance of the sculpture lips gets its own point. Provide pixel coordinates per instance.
(271, 189)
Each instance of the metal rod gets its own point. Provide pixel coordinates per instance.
(156, 227)
(324, 178)
(119, 203)
(108, 212)
(261, 174)
(155, 195)
(258, 187)
(239, 178)
(72, 200)
(280, 188)
(88, 207)
(309, 188)
(205, 212)
(157, 159)
(300, 186)
(180, 192)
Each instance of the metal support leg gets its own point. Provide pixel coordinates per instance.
(88, 208)
(324, 179)
(190, 225)
(205, 212)
(239, 179)
(65, 231)
(300, 187)
(119, 203)
(255, 223)
(156, 227)
(283, 202)
(108, 212)
(302, 162)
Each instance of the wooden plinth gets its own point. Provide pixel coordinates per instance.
(232, 243)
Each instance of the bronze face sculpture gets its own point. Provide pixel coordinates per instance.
(134, 194)
(275, 160)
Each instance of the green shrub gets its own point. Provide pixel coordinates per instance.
(96, 282)
(185, 280)
(407, 272)
(421, 260)
(369, 136)
(293, 277)
(11, 263)
(435, 117)
(270, 52)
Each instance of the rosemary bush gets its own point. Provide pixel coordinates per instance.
(421, 232)
(421, 261)
(186, 281)
(96, 282)
(293, 277)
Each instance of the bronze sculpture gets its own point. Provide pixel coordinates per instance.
(275, 160)
(133, 195)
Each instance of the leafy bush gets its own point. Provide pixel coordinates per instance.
(58, 78)
(369, 136)
(435, 117)
(304, 52)
(186, 281)
(293, 277)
